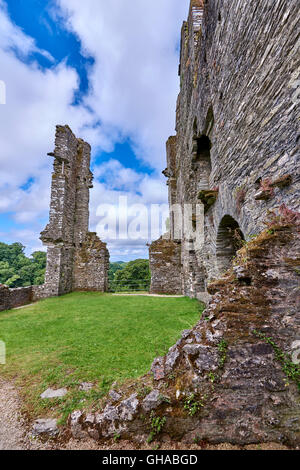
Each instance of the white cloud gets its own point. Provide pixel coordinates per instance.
(12, 37)
(134, 82)
(37, 99)
(140, 191)
(27, 237)
(132, 92)
(116, 175)
(27, 205)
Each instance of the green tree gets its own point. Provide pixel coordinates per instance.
(114, 267)
(17, 270)
(6, 272)
(135, 276)
(39, 262)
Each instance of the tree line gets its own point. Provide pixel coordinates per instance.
(19, 270)
(132, 276)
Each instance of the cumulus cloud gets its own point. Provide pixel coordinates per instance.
(13, 38)
(134, 82)
(116, 175)
(36, 100)
(138, 201)
(27, 237)
(132, 92)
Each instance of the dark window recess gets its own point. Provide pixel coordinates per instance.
(229, 240)
(201, 158)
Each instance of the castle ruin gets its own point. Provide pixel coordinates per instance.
(76, 258)
(234, 377)
(236, 148)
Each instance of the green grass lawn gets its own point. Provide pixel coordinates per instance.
(88, 337)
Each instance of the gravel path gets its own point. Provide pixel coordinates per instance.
(14, 434)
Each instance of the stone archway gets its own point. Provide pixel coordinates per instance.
(229, 240)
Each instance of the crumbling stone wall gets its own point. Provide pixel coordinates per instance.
(165, 259)
(235, 376)
(91, 265)
(76, 259)
(236, 149)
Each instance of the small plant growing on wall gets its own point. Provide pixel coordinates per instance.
(222, 348)
(237, 238)
(208, 197)
(282, 217)
(193, 404)
(157, 424)
(290, 369)
(283, 181)
(266, 190)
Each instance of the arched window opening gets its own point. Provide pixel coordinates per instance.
(229, 240)
(201, 157)
(203, 147)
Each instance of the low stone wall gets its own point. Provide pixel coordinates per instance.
(12, 298)
(91, 265)
(165, 266)
(39, 292)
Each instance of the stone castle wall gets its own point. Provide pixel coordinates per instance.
(91, 265)
(236, 148)
(235, 376)
(76, 259)
(165, 258)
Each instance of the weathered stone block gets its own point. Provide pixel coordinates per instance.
(165, 266)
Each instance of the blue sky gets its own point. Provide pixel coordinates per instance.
(109, 70)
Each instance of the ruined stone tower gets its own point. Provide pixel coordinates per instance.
(76, 258)
(236, 148)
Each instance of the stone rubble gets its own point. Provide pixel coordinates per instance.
(86, 386)
(46, 427)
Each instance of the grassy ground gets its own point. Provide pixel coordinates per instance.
(87, 337)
